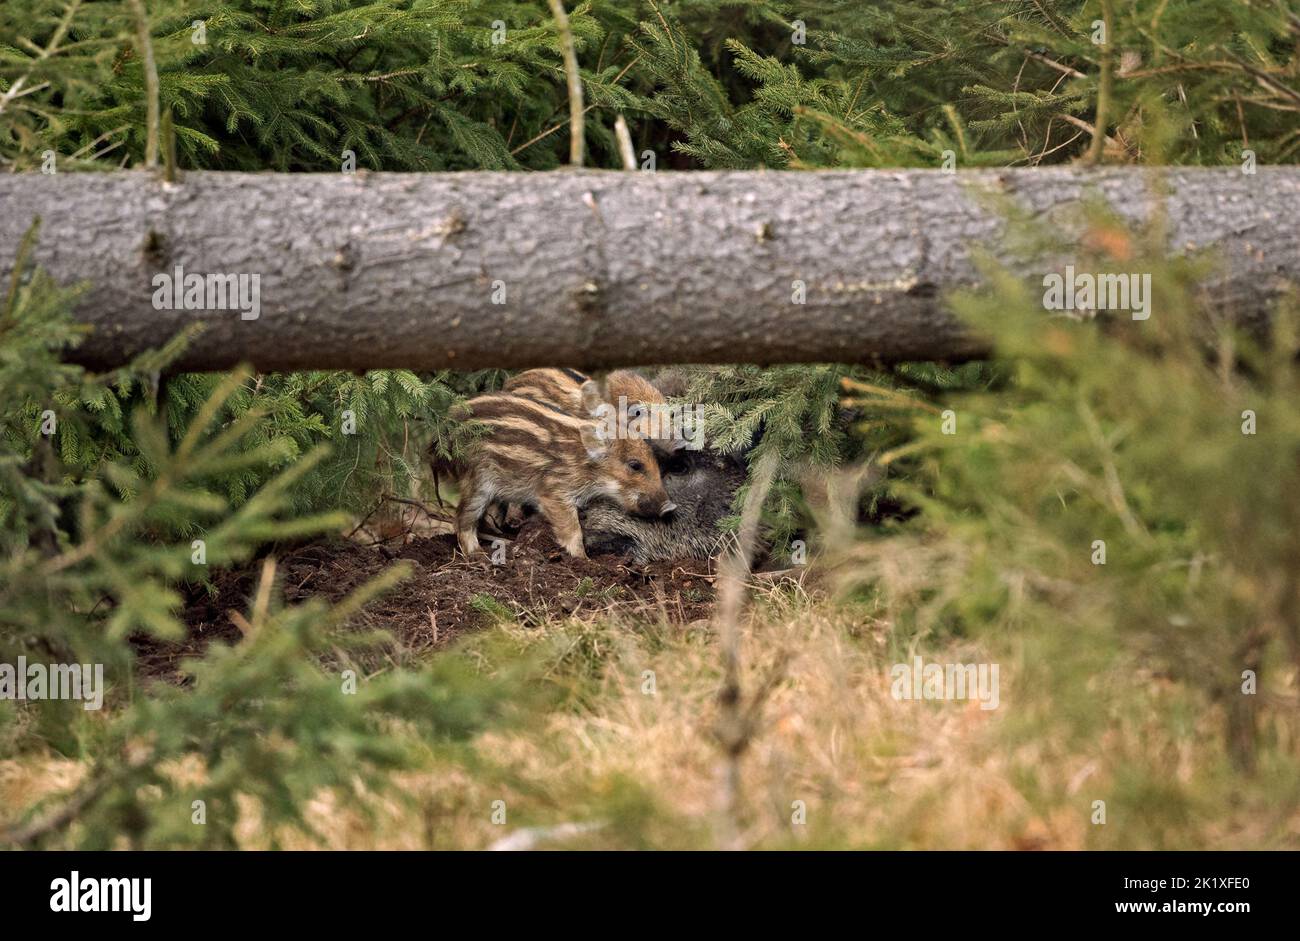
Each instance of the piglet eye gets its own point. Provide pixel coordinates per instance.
(635, 467)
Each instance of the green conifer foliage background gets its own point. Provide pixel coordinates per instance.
(436, 85)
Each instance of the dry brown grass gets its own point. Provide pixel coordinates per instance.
(871, 770)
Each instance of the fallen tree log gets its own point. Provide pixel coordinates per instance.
(591, 269)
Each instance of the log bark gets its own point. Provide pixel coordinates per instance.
(598, 269)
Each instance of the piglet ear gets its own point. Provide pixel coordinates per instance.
(593, 439)
(591, 398)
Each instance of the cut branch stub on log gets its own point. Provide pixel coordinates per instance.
(591, 269)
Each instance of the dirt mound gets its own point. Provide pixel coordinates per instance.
(447, 595)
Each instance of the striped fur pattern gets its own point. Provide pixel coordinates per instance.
(535, 453)
(559, 388)
(562, 389)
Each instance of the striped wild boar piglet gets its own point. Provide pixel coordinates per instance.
(562, 389)
(536, 454)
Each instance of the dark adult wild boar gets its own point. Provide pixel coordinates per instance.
(535, 454)
(701, 483)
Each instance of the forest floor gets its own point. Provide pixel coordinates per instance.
(447, 596)
(606, 735)
(585, 753)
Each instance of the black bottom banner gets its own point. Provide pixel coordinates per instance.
(335, 890)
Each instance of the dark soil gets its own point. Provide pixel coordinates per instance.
(447, 596)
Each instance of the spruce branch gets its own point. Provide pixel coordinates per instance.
(546, 133)
(170, 169)
(576, 110)
(152, 107)
(625, 148)
(16, 89)
(82, 799)
(1098, 146)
